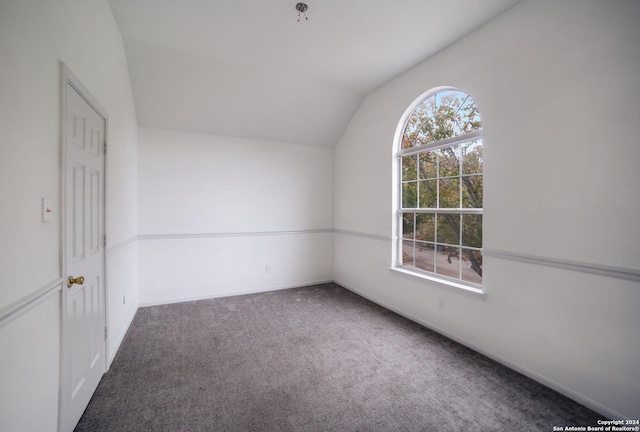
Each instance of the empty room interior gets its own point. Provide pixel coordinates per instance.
(266, 147)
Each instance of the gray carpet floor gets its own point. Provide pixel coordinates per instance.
(309, 359)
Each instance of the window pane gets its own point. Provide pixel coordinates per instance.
(448, 229)
(451, 98)
(424, 256)
(472, 266)
(409, 168)
(472, 230)
(428, 194)
(447, 104)
(426, 227)
(420, 128)
(409, 195)
(448, 161)
(428, 165)
(407, 252)
(472, 191)
(425, 129)
(407, 225)
(444, 115)
(428, 107)
(450, 193)
(471, 156)
(469, 117)
(406, 139)
(447, 262)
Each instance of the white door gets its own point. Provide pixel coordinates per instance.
(84, 312)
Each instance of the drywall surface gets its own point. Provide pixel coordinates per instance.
(222, 216)
(34, 38)
(556, 85)
(29, 368)
(123, 293)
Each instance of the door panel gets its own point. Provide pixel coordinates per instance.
(77, 228)
(94, 212)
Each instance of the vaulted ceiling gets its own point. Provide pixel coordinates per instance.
(248, 68)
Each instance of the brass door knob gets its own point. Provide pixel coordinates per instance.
(79, 280)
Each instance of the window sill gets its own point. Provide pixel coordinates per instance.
(420, 277)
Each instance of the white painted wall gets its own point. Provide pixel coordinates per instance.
(34, 37)
(29, 367)
(557, 87)
(214, 212)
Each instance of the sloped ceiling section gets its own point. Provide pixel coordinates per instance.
(249, 69)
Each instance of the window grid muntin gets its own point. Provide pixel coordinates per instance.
(418, 179)
(416, 269)
(428, 108)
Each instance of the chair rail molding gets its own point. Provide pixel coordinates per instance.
(18, 308)
(232, 234)
(577, 266)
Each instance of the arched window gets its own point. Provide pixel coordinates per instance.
(440, 189)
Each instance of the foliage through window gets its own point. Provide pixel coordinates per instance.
(440, 204)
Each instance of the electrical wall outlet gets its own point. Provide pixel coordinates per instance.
(267, 269)
(441, 303)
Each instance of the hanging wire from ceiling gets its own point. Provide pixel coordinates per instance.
(302, 8)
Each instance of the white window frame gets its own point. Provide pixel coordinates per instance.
(398, 153)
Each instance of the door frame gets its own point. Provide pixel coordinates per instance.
(68, 78)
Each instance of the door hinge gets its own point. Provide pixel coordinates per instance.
(105, 333)
(104, 241)
(104, 147)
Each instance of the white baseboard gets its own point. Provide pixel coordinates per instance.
(581, 399)
(231, 293)
(112, 354)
